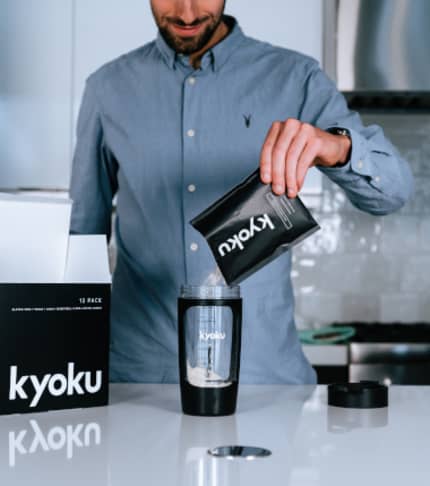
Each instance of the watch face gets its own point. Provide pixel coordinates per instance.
(339, 131)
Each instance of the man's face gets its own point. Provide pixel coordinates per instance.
(187, 25)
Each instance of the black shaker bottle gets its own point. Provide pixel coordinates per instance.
(209, 330)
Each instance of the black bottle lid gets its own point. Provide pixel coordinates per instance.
(365, 394)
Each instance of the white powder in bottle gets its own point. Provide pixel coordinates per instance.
(204, 378)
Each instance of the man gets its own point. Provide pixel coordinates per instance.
(173, 125)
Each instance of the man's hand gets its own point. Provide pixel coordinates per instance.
(292, 147)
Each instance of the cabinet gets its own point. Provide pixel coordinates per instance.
(35, 93)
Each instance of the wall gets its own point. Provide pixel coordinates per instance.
(369, 268)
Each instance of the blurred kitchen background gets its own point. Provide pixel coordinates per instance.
(359, 268)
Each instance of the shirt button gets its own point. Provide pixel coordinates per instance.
(376, 178)
(360, 164)
(194, 247)
(192, 80)
(191, 132)
(191, 188)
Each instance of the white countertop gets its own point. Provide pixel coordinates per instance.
(143, 439)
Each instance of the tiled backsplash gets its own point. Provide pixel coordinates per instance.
(364, 267)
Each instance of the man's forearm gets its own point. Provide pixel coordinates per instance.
(375, 181)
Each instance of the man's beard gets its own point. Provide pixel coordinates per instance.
(189, 45)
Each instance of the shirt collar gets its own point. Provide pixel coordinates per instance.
(216, 56)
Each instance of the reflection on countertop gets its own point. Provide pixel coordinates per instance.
(61, 447)
(142, 438)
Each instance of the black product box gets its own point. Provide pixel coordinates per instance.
(54, 337)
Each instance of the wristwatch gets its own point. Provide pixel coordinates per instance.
(340, 131)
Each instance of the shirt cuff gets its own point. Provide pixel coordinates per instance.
(359, 165)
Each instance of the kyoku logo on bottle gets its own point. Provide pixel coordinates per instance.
(256, 225)
(55, 384)
(206, 336)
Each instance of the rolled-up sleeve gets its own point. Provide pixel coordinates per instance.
(376, 178)
(93, 182)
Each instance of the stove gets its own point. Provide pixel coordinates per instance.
(393, 353)
(377, 332)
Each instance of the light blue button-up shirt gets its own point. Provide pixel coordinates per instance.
(169, 140)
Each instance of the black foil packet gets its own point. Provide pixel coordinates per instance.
(250, 226)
